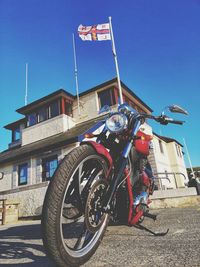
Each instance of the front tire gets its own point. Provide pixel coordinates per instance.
(66, 238)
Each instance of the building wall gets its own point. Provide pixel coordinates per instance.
(177, 163)
(89, 104)
(170, 162)
(162, 163)
(88, 107)
(46, 129)
(6, 182)
(30, 199)
(31, 195)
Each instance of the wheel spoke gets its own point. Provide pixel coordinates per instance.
(75, 233)
(81, 241)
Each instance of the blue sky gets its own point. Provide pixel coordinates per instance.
(158, 48)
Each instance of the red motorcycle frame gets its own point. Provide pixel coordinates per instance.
(142, 146)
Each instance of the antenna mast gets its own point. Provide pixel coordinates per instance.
(188, 155)
(76, 75)
(26, 92)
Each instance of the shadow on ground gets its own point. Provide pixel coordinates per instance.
(21, 245)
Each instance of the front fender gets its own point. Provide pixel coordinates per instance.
(101, 150)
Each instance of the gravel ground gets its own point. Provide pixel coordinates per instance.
(21, 245)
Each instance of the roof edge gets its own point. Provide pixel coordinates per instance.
(165, 138)
(23, 109)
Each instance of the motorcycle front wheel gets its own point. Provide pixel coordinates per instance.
(66, 238)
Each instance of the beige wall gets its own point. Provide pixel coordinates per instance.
(6, 182)
(88, 107)
(46, 129)
(169, 161)
(89, 104)
(177, 163)
(162, 163)
(10, 180)
(30, 199)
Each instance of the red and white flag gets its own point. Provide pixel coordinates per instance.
(102, 32)
(99, 32)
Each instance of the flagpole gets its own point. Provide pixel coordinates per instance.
(26, 91)
(189, 158)
(76, 75)
(116, 62)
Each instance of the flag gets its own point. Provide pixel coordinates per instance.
(99, 32)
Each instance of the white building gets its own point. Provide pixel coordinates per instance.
(51, 127)
(168, 163)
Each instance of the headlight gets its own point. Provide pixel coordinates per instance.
(117, 123)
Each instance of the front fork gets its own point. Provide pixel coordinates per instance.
(113, 186)
(120, 170)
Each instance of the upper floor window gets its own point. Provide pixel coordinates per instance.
(54, 109)
(161, 146)
(68, 108)
(42, 114)
(32, 119)
(49, 166)
(23, 174)
(107, 97)
(178, 151)
(16, 135)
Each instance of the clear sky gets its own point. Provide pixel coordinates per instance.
(158, 48)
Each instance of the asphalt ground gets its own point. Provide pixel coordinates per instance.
(21, 244)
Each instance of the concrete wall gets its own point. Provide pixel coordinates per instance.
(6, 182)
(170, 161)
(177, 163)
(46, 129)
(162, 162)
(88, 107)
(179, 192)
(30, 198)
(178, 202)
(174, 198)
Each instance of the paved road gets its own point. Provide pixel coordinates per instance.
(21, 245)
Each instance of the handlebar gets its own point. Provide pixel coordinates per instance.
(170, 120)
(163, 119)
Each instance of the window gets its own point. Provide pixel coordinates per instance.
(16, 135)
(32, 119)
(161, 146)
(49, 166)
(68, 109)
(42, 114)
(22, 174)
(178, 151)
(54, 109)
(107, 97)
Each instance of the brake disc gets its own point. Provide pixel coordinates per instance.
(94, 216)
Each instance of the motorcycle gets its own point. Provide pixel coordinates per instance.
(97, 182)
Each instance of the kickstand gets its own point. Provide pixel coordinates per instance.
(148, 230)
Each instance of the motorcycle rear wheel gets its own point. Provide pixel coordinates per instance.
(66, 238)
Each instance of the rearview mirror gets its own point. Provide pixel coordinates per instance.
(177, 109)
